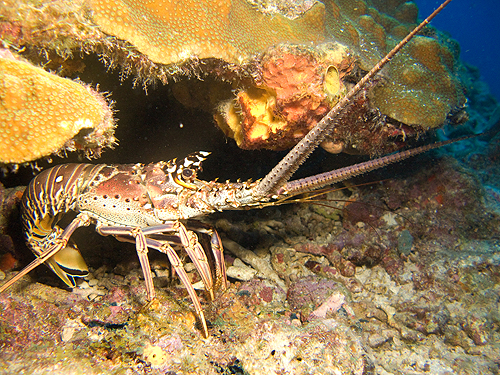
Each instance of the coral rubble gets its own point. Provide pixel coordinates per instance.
(43, 114)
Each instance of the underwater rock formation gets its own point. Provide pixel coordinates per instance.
(43, 114)
(419, 89)
(234, 41)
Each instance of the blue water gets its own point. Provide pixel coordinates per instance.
(475, 24)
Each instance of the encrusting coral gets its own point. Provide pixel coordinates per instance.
(231, 30)
(42, 114)
(419, 89)
(238, 41)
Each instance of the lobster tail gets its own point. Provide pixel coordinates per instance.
(68, 263)
(49, 195)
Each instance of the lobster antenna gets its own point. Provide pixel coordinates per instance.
(34, 264)
(320, 180)
(282, 172)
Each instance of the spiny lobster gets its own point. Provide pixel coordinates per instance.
(152, 205)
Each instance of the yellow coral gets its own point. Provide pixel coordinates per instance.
(169, 31)
(41, 113)
(421, 79)
(421, 91)
(408, 108)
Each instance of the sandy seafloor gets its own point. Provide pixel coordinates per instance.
(401, 276)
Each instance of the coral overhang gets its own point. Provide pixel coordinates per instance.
(231, 40)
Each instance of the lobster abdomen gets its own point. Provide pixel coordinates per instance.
(53, 192)
(49, 195)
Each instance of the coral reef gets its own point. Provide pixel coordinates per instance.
(43, 114)
(399, 276)
(419, 90)
(230, 30)
(241, 42)
(408, 306)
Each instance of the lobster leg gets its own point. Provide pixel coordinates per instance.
(217, 250)
(142, 252)
(192, 246)
(58, 243)
(181, 272)
(220, 265)
(189, 240)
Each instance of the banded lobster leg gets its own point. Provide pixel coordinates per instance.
(58, 243)
(217, 250)
(189, 240)
(176, 263)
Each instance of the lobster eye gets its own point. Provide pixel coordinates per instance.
(187, 173)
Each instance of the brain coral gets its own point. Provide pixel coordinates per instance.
(41, 114)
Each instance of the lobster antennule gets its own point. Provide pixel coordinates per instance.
(280, 174)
